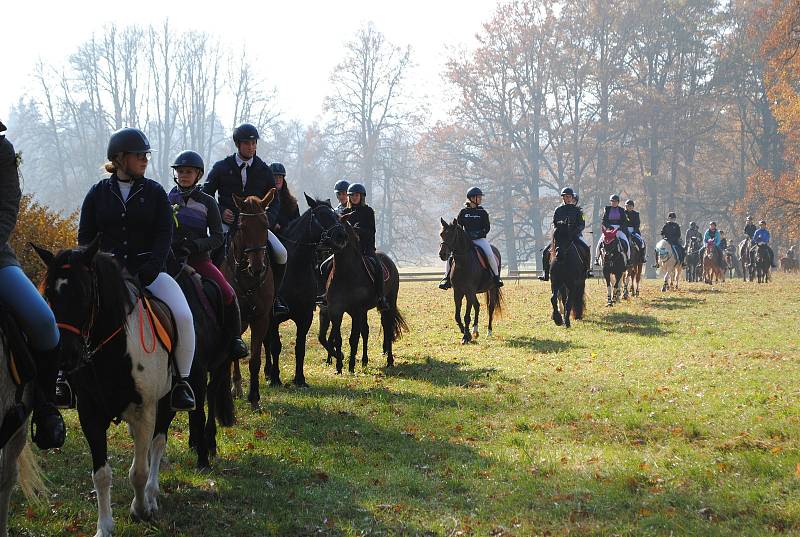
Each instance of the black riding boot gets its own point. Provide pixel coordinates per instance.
(545, 265)
(182, 395)
(279, 310)
(381, 304)
(445, 284)
(233, 330)
(48, 429)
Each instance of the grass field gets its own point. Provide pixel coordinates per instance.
(674, 414)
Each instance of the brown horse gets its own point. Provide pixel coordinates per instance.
(713, 264)
(633, 276)
(248, 271)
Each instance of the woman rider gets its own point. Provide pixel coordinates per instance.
(197, 215)
(19, 295)
(362, 218)
(289, 210)
(614, 217)
(569, 211)
(134, 219)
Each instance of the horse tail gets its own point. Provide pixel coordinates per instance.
(30, 476)
(579, 301)
(495, 301)
(220, 391)
(393, 322)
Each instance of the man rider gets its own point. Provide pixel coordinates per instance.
(340, 191)
(761, 236)
(750, 227)
(569, 211)
(245, 174)
(672, 233)
(712, 234)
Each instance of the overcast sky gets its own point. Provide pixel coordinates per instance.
(297, 43)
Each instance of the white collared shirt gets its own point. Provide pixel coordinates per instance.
(239, 163)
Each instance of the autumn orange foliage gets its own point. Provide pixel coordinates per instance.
(779, 197)
(44, 227)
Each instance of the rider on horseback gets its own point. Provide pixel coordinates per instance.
(761, 236)
(569, 212)
(712, 235)
(245, 174)
(723, 241)
(475, 221)
(133, 217)
(31, 311)
(614, 217)
(289, 210)
(340, 190)
(692, 232)
(672, 233)
(750, 228)
(634, 228)
(362, 218)
(196, 215)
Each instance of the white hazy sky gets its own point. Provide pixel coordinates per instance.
(295, 43)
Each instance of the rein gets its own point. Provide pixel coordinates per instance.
(323, 238)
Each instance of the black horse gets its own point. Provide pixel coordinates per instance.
(567, 275)
(210, 357)
(351, 290)
(613, 264)
(760, 263)
(693, 270)
(318, 226)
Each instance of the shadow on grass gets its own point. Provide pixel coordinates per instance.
(675, 302)
(630, 323)
(543, 346)
(439, 373)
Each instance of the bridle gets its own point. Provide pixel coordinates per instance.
(325, 235)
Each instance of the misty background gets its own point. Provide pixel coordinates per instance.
(660, 101)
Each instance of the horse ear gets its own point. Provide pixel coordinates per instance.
(45, 255)
(444, 224)
(238, 201)
(266, 200)
(91, 249)
(310, 200)
(455, 222)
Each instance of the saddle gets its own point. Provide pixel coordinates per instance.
(160, 317)
(21, 364)
(482, 258)
(372, 268)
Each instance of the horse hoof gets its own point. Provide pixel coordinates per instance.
(275, 383)
(474, 334)
(557, 319)
(255, 406)
(300, 383)
(488, 333)
(609, 304)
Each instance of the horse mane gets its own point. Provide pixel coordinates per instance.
(115, 299)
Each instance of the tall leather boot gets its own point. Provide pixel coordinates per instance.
(48, 429)
(545, 265)
(279, 310)
(233, 330)
(382, 304)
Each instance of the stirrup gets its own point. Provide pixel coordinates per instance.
(445, 284)
(64, 396)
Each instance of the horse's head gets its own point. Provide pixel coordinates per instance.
(609, 236)
(325, 220)
(562, 232)
(452, 239)
(250, 243)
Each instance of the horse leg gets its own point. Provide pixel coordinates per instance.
(141, 430)
(477, 307)
(197, 417)
(9, 470)
(568, 307)
(335, 341)
(556, 316)
(94, 430)
(237, 381)
(364, 339)
(303, 326)
(355, 335)
(387, 324)
(256, 343)
(491, 314)
(610, 301)
(467, 317)
(459, 298)
(274, 353)
(322, 335)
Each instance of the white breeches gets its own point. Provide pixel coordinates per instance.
(167, 289)
(279, 254)
(487, 249)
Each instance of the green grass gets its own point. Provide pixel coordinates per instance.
(674, 414)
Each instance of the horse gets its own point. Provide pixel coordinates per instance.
(633, 275)
(745, 258)
(115, 364)
(760, 264)
(789, 264)
(730, 261)
(316, 227)
(567, 276)
(350, 290)
(668, 263)
(16, 457)
(713, 265)
(210, 359)
(469, 278)
(248, 271)
(693, 260)
(613, 263)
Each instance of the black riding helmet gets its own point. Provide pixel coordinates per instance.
(629, 202)
(567, 191)
(278, 169)
(191, 159)
(693, 225)
(474, 191)
(127, 140)
(614, 197)
(672, 215)
(243, 132)
(341, 186)
(357, 188)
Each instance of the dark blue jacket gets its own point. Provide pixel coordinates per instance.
(362, 218)
(10, 195)
(634, 221)
(571, 213)
(137, 231)
(225, 179)
(474, 220)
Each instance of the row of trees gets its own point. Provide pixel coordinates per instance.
(670, 102)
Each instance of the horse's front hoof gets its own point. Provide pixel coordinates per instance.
(276, 383)
(300, 382)
(141, 515)
(488, 333)
(557, 318)
(465, 339)
(475, 333)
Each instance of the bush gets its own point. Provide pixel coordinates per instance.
(44, 227)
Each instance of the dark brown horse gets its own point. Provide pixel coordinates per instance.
(744, 258)
(350, 290)
(248, 271)
(713, 264)
(469, 279)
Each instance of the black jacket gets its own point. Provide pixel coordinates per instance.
(571, 213)
(620, 220)
(672, 232)
(197, 224)
(137, 231)
(362, 218)
(225, 179)
(10, 195)
(634, 221)
(749, 229)
(474, 220)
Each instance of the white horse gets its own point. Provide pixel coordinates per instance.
(125, 374)
(16, 457)
(668, 264)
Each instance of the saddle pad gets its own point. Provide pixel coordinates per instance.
(163, 323)
(21, 365)
(482, 258)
